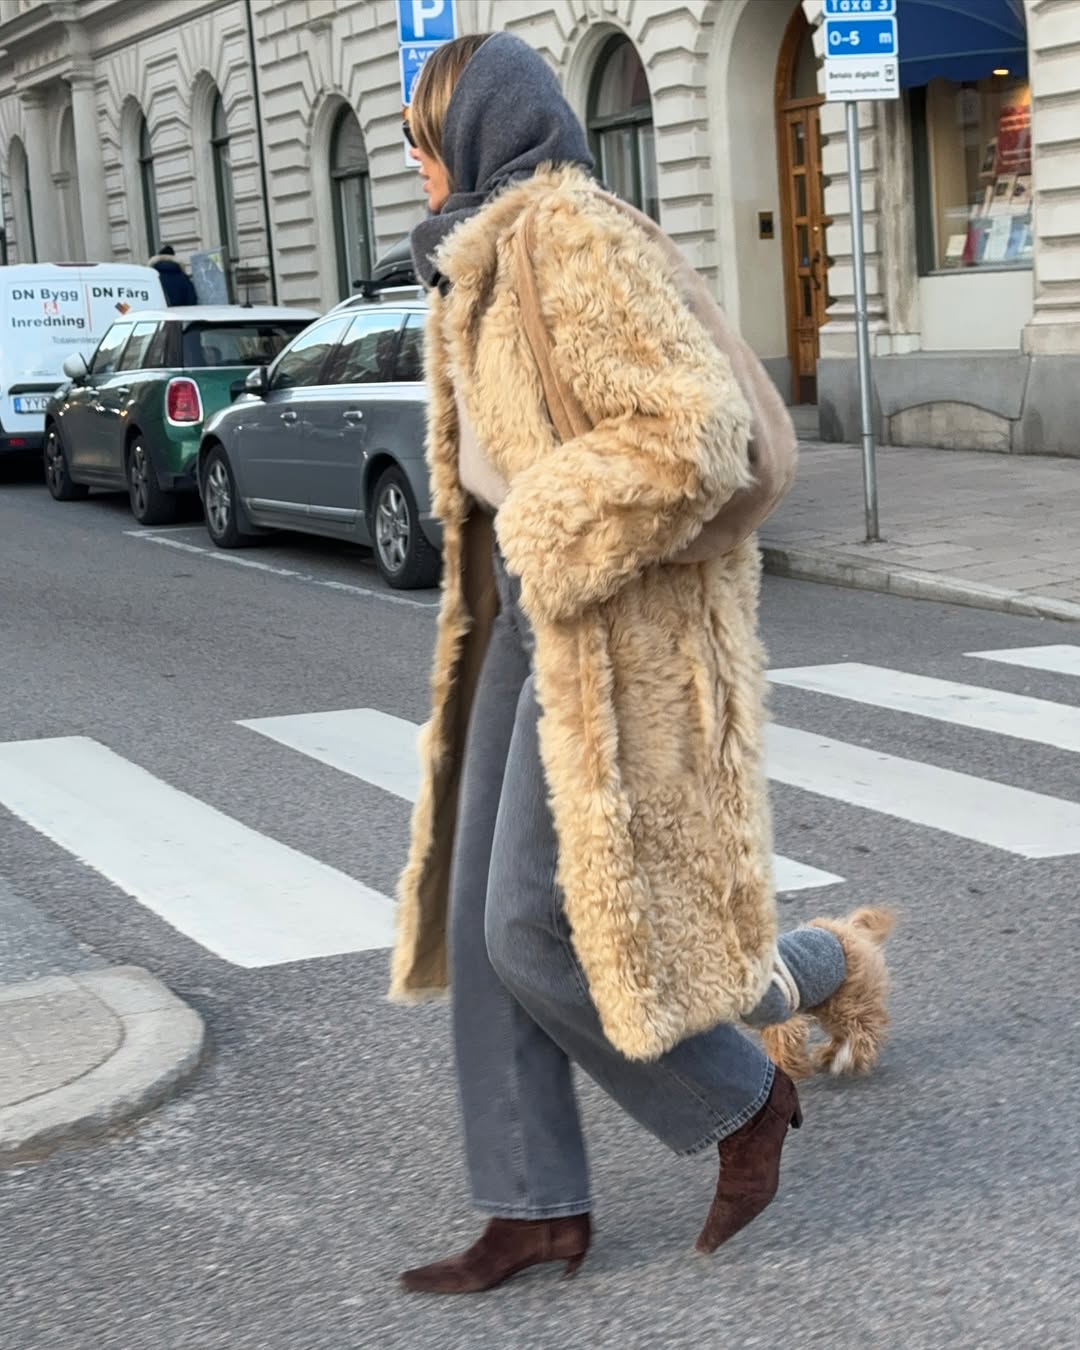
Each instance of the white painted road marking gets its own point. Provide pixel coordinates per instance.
(964, 705)
(244, 896)
(790, 875)
(361, 742)
(381, 750)
(1013, 819)
(1059, 660)
(385, 597)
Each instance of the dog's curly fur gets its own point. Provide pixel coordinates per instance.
(855, 1019)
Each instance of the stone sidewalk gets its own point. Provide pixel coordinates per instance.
(964, 527)
(83, 1046)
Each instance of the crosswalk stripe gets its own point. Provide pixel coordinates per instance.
(361, 742)
(246, 897)
(790, 875)
(1012, 819)
(381, 750)
(965, 705)
(1059, 660)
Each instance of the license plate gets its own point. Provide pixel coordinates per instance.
(31, 403)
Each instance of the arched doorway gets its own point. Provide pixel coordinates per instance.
(802, 203)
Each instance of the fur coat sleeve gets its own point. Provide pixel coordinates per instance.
(670, 436)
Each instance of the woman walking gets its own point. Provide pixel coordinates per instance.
(590, 868)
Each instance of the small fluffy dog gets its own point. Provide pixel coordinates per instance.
(855, 1018)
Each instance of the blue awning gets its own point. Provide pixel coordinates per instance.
(960, 39)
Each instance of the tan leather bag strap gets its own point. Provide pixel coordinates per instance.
(567, 415)
(773, 459)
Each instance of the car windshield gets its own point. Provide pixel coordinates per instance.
(238, 344)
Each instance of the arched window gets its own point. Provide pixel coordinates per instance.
(223, 183)
(148, 188)
(67, 186)
(22, 210)
(621, 126)
(350, 179)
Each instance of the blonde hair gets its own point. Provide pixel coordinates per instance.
(435, 88)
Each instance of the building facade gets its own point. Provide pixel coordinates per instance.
(270, 130)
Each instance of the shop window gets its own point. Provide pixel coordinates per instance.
(621, 126)
(354, 228)
(223, 184)
(972, 145)
(148, 188)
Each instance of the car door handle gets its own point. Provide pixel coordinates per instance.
(122, 391)
(352, 416)
(288, 417)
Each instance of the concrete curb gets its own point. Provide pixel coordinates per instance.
(162, 1043)
(838, 569)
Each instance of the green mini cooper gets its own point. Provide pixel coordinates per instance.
(134, 416)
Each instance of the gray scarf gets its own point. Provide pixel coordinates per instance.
(507, 116)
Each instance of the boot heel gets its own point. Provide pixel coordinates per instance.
(796, 1119)
(573, 1266)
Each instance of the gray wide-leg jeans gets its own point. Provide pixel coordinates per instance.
(521, 1006)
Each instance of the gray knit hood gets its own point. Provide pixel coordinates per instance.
(507, 116)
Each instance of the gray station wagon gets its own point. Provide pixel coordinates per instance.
(329, 440)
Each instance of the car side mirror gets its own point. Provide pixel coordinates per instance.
(257, 382)
(75, 367)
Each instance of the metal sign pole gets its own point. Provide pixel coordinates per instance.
(862, 326)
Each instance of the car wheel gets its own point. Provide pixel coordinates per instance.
(149, 505)
(57, 475)
(403, 556)
(219, 502)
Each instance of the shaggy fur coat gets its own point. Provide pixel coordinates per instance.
(649, 673)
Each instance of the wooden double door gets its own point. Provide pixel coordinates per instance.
(803, 223)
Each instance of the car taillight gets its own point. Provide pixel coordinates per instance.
(182, 402)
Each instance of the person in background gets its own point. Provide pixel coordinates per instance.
(590, 868)
(178, 287)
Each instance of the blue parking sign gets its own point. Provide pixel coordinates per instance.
(856, 39)
(850, 9)
(412, 62)
(426, 21)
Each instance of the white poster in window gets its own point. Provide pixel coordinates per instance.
(1003, 193)
(954, 252)
(997, 242)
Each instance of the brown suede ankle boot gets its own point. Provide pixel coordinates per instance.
(505, 1247)
(750, 1165)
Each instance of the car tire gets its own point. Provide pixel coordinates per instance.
(219, 502)
(57, 474)
(149, 504)
(403, 555)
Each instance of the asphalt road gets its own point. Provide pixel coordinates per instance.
(271, 1204)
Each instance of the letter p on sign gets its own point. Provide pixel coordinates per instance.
(426, 20)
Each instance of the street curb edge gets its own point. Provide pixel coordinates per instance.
(163, 1044)
(839, 570)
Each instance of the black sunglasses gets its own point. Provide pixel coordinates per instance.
(408, 132)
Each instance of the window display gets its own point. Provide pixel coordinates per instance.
(975, 174)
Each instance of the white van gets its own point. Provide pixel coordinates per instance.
(48, 311)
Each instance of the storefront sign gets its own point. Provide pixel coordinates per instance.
(861, 50)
